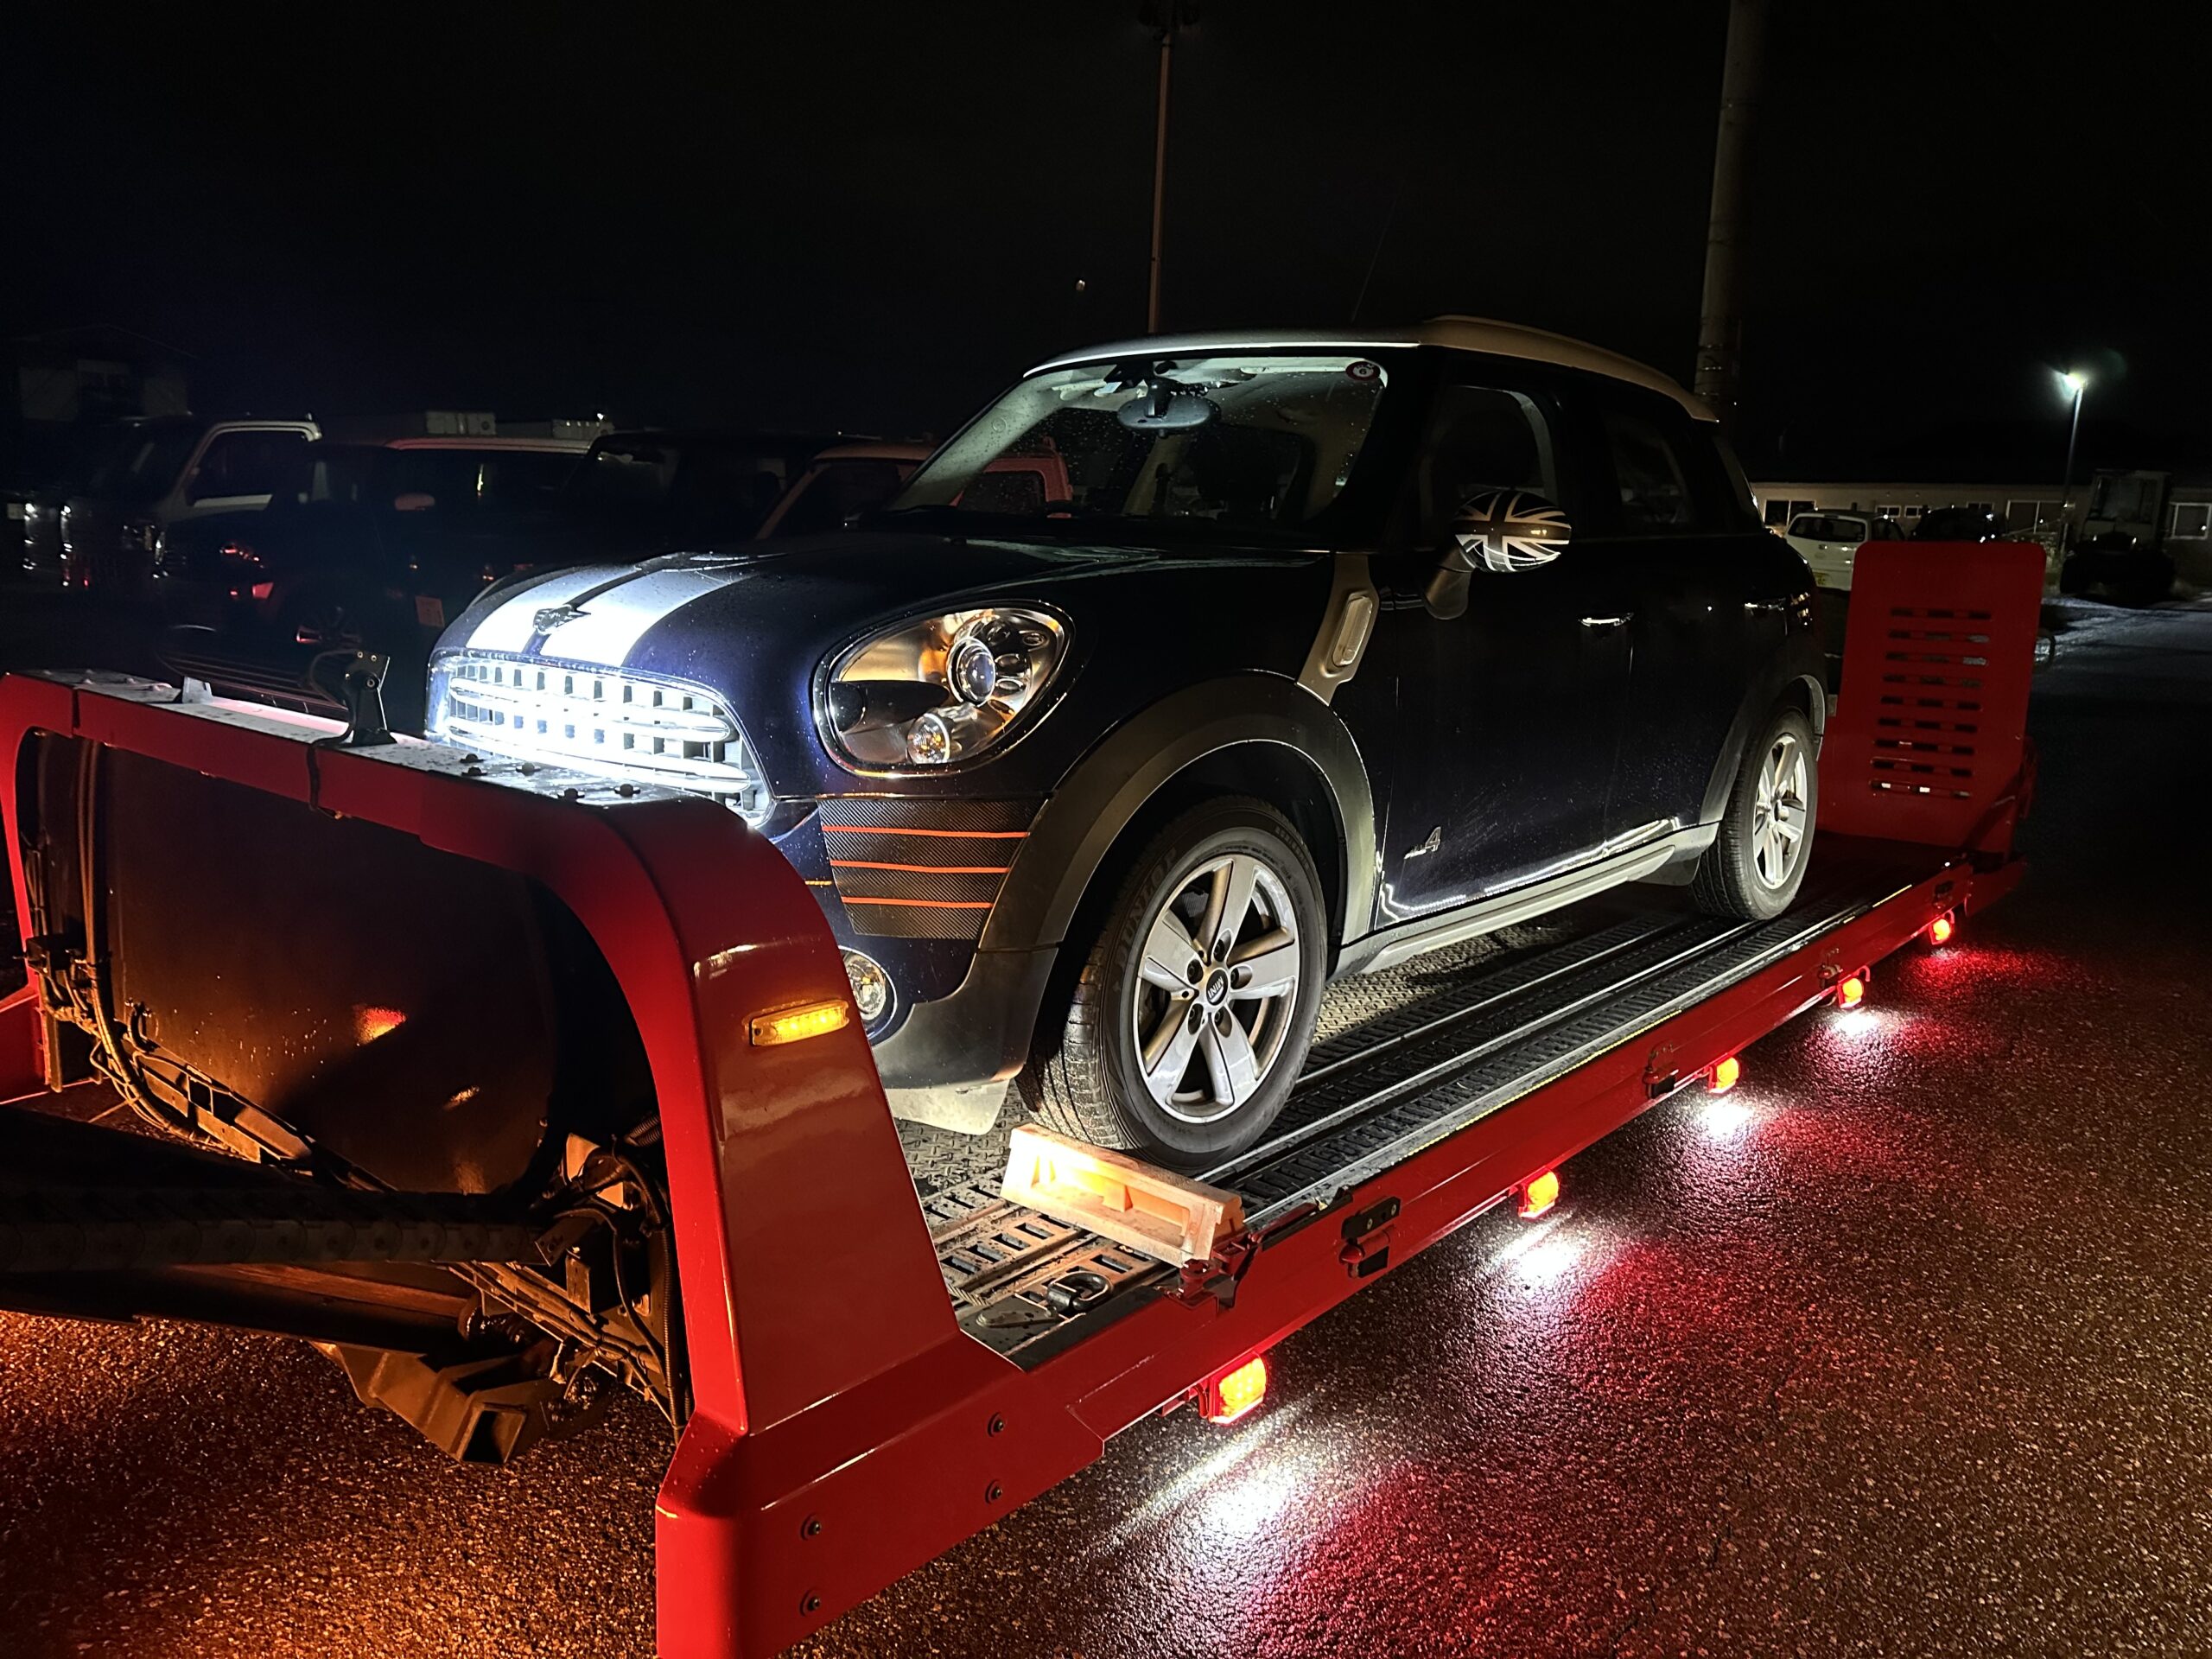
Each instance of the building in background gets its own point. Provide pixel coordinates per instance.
(66, 380)
(2030, 509)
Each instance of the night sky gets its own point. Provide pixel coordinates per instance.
(870, 217)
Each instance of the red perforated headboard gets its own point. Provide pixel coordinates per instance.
(1930, 728)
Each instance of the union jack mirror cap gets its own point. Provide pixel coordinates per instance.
(1506, 530)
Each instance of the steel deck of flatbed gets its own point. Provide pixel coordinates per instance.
(1414, 1055)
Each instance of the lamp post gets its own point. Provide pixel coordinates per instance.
(1167, 17)
(2077, 383)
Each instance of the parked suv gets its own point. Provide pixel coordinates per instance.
(160, 473)
(1319, 651)
(363, 544)
(1828, 542)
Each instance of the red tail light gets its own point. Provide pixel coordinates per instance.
(1539, 1194)
(1234, 1393)
(1723, 1075)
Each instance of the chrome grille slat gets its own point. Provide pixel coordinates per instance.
(632, 727)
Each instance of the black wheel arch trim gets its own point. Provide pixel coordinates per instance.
(1104, 791)
(1799, 665)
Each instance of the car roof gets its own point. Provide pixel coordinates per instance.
(876, 450)
(1454, 334)
(705, 437)
(535, 446)
(525, 446)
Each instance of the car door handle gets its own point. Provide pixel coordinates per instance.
(1764, 606)
(1620, 621)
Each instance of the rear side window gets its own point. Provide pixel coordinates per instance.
(1650, 473)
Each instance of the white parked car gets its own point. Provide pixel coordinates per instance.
(1829, 541)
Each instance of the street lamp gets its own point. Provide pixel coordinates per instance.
(2077, 383)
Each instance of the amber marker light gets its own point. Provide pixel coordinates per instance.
(1725, 1075)
(1235, 1393)
(1540, 1194)
(796, 1024)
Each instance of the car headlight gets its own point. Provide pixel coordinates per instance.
(942, 689)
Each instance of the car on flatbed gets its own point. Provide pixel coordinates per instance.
(1273, 663)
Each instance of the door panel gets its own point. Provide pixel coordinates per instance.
(1506, 717)
(1710, 590)
(1507, 722)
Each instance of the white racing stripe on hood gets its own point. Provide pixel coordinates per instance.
(612, 622)
(512, 624)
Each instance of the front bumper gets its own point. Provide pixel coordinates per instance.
(960, 1014)
(981, 1032)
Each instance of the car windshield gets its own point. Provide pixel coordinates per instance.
(143, 466)
(1252, 442)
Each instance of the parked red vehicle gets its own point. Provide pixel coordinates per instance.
(558, 1085)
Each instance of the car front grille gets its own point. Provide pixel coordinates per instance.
(632, 727)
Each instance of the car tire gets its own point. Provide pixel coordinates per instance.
(1754, 869)
(1091, 1077)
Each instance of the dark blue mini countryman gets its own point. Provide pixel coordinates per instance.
(1194, 672)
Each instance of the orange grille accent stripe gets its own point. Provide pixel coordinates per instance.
(925, 904)
(931, 869)
(896, 830)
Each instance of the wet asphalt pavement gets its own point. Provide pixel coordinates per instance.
(1904, 1347)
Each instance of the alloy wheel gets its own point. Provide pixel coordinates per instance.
(1214, 991)
(1779, 819)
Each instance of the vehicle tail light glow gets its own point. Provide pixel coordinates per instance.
(1850, 990)
(1234, 1393)
(1725, 1074)
(1539, 1194)
(1940, 929)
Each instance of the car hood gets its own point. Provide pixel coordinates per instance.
(680, 614)
(755, 626)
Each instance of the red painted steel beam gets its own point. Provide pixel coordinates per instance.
(810, 1291)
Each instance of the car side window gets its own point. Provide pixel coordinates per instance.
(1649, 472)
(1480, 438)
(245, 463)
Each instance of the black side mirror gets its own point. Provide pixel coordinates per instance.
(1501, 531)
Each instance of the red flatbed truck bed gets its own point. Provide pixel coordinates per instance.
(883, 1355)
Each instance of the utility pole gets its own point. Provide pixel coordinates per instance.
(1720, 315)
(1167, 17)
